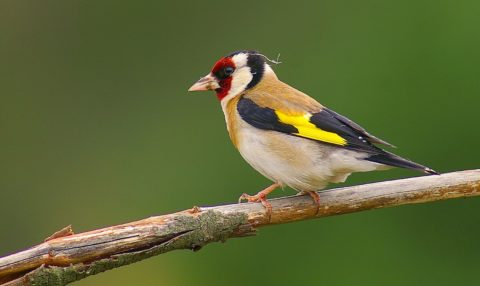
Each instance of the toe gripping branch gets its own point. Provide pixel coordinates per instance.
(262, 198)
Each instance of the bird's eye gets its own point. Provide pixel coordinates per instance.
(224, 72)
(228, 70)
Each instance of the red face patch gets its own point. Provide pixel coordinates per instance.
(222, 70)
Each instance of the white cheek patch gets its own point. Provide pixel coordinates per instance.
(241, 78)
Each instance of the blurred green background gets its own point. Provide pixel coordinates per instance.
(97, 128)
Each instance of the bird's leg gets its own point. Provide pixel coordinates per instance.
(261, 197)
(315, 197)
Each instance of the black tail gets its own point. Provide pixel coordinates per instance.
(391, 159)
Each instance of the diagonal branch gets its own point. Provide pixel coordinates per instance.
(66, 257)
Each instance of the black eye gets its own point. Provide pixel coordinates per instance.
(228, 70)
(224, 72)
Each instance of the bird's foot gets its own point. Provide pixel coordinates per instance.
(315, 197)
(258, 198)
(262, 198)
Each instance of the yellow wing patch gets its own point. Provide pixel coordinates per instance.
(309, 130)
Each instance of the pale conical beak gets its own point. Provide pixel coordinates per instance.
(208, 82)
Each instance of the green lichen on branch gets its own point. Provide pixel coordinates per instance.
(185, 232)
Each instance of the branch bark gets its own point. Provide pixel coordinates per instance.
(66, 257)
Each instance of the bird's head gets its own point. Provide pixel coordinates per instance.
(233, 74)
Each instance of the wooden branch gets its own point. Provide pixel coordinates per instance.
(66, 257)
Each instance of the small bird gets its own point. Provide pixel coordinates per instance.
(286, 135)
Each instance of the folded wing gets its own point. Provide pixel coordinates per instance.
(324, 126)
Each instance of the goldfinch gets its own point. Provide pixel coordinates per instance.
(286, 135)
